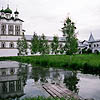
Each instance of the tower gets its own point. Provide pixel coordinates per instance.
(91, 38)
(16, 14)
(10, 31)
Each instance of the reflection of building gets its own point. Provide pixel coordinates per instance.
(50, 75)
(58, 75)
(10, 83)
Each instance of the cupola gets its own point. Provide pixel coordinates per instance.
(2, 12)
(16, 14)
(8, 10)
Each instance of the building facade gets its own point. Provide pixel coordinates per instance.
(92, 44)
(10, 32)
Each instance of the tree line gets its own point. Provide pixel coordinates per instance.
(40, 44)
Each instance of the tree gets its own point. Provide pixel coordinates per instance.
(22, 46)
(55, 45)
(61, 48)
(71, 43)
(43, 45)
(35, 44)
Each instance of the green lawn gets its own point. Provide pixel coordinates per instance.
(89, 62)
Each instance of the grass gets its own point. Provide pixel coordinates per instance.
(87, 63)
(42, 98)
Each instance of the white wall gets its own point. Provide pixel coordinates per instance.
(8, 52)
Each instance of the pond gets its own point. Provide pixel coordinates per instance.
(19, 80)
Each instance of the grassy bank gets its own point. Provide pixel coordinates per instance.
(42, 98)
(87, 63)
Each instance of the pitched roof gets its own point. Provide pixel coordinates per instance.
(49, 38)
(91, 38)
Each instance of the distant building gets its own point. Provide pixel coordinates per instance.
(91, 44)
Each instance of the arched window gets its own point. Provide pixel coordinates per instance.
(3, 44)
(89, 45)
(11, 45)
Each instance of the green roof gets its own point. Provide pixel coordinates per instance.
(2, 10)
(8, 10)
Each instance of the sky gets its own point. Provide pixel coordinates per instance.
(47, 16)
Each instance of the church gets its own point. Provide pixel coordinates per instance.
(11, 30)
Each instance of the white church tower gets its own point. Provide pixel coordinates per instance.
(10, 32)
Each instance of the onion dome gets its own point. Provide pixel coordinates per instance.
(8, 10)
(16, 12)
(2, 10)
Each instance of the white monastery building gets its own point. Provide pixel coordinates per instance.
(11, 30)
(92, 44)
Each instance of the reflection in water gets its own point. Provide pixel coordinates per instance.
(71, 82)
(10, 83)
(18, 80)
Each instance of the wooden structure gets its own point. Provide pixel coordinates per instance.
(60, 91)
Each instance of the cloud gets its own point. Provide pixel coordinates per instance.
(46, 16)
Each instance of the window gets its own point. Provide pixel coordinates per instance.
(4, 87)
(97, 45)
(94, 45)
(11, 86)
(17, 30)
(10, 29)
(18, 85)
(11, 45)
(12, 71)
(89, 45)
(3, 29)
(3, 73)
(3, 45)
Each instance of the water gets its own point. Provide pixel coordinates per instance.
(18, 80)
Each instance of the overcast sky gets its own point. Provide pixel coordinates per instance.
(47, 16)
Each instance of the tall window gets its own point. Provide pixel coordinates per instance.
(11, 86)
(3, 44)
(10, 29)
(3, 29)
(4, 87)
(17, 30)
(18, 85)
(11, 45)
